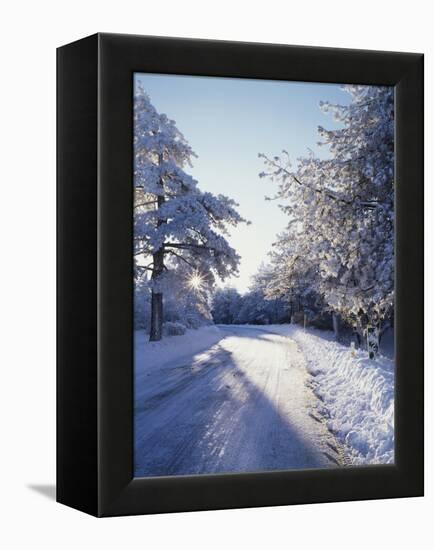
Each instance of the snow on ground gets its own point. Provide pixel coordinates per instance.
(237, 399)
(240, 405)
(356, 393)
(153, 355)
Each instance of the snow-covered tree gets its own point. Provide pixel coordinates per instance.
(259, 306)
(174, 220)
(226, 304)
(185, 303)
(341, 210)
(252, 307)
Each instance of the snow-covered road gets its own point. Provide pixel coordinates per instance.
(243, 405)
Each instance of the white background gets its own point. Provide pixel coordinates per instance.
(30, 32)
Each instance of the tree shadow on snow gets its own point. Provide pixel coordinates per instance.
(208, 417)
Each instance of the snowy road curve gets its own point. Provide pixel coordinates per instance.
(243, 405)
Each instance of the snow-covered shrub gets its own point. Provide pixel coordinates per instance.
(195, 321)
(171, 328)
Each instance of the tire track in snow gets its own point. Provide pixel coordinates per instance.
(242, 406)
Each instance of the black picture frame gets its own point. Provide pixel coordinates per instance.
(95, 198)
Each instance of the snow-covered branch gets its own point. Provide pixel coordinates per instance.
(341, 211)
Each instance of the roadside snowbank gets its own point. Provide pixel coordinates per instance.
(357, 394)
(153, 355)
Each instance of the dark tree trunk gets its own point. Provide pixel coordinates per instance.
(358, 338)
(156, 332)
(156, 317)
(335, 322)
(360, 328)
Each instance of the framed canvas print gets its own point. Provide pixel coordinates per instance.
(240, 275)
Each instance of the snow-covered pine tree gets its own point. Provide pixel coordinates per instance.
(260, 306)
(341, 209)
(173, 217)
(291, 276)
(226, 304)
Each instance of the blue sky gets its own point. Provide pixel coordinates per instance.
(228, 122)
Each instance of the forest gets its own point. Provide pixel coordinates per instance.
(331, 266)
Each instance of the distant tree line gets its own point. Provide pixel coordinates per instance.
(257, 307)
